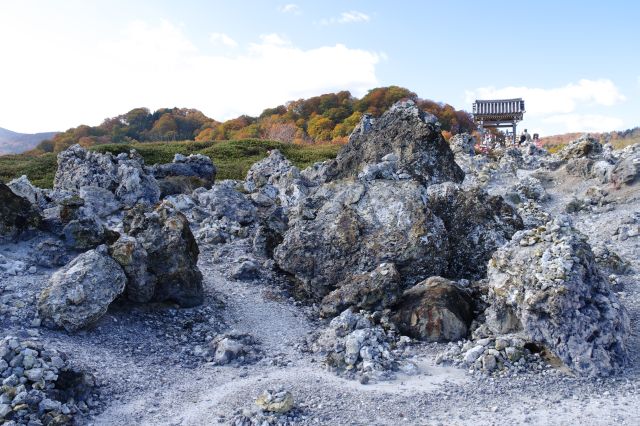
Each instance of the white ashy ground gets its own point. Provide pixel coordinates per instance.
(144, 360)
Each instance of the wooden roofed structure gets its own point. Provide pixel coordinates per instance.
(498, 113)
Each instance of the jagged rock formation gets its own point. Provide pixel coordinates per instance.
(545, 285)
(275, 180)
(80, 293)
(388, 214)
(407, 132)
(124, 175)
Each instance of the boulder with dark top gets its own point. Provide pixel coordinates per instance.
(17, 214)
(411, 135)
(184, 174)
(435, 310)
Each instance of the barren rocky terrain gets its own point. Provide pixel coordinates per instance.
(408, 281)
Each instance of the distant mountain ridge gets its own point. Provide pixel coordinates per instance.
(16, 143)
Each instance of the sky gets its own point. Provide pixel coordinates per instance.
(71, 62)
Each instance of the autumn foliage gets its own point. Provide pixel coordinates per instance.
(326, 118)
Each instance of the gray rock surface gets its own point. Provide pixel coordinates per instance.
(39, 385)
(370, 291)
(224, 200)
(172, 255)
(475, 223)
(80, 293)
(358, 226)
(278, 180)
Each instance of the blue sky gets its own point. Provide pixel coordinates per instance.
(64, 63)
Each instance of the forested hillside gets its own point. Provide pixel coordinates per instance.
(321, 119)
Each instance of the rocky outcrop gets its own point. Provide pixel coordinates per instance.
(584, 147)
(80, 293)
(411, 135)
(350, 227)
(371, 291)
(184, 174)
(277, 180)
(476, 224)
(17, 214)
(627, 170)
(435, 310)
(124, 175)
(462, 143)
(544, 284)
(172, 273)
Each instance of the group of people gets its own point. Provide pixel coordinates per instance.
(490, 141)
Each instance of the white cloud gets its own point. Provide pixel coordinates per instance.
(222, 38)
(58, 80)
(585, 122)
(290, 8)
(541, 102)
(347, 18)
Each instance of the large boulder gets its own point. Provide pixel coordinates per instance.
(476, 225)
(184, 174)
(371, 291)
(411, 135)
(545, 285)
(350, 227)
(80, 293)
(17, 214)
(435, 310)
(172, 272)
(124, 175)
